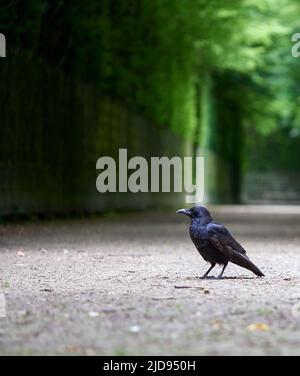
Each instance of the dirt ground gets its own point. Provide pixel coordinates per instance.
(126, 285)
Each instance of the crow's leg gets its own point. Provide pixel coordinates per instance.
(207, 273)
(222, 272)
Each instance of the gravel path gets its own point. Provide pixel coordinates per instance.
(126, 285)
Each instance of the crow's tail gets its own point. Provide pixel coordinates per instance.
(245, 262)
(254, 269)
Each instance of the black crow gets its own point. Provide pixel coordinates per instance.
(215, 243)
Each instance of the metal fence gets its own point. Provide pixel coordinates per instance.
(52, 132)
(271, 187)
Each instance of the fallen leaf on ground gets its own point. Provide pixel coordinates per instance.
(259, 327)
(73, 349)
(217, 324)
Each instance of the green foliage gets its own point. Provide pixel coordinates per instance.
(277, 152)
(151, 54)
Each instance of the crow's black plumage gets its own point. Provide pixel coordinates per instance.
(215, 243)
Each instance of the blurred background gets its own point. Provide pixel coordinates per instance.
(82, 79)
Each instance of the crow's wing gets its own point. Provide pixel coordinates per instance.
(215, 229)
(222, 240)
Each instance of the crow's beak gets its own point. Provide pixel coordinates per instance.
(184, 211)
